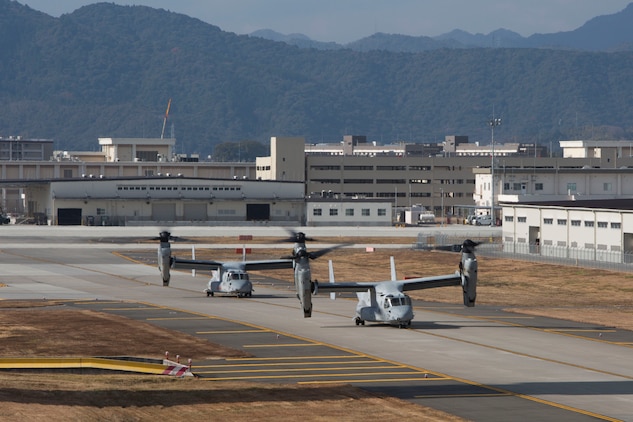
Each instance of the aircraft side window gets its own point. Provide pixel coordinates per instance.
(387, 303)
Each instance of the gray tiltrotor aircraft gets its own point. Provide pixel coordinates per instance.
(303, 277)
(385, 301)
(232, 277)
(229, 278)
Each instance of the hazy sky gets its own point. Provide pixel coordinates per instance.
(344, 21)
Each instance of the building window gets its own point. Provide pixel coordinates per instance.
(333, 212)
(561, 222)
(522, 219)
(317, 211)
(68, 173)
(508, 219)
(349, 212)
(506, 186)
(606, 187)
(391, 168)
(575, 223)
(365, 212)
(571, 187)
(603, 224)
(588, 223)
(616, 225)
(538, 186)
(548, 221)
(382, 212)
(516, 186)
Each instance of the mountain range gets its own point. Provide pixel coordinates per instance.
(603, 33)
(109, 71)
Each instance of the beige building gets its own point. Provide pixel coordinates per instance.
(286, 163)
(578, 230)
(16, 148)
(119, 157)
(170, 199)
(137, 149)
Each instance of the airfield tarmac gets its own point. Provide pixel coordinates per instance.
(479, 363)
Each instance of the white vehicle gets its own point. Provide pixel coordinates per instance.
(483, 220)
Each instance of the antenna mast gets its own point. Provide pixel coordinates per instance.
(162, 133)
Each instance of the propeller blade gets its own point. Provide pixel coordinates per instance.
(298, 237)
(321, 252)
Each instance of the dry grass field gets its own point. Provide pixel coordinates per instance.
(47, 329)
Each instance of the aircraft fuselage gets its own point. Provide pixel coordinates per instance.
(393, 308)
(230, 282)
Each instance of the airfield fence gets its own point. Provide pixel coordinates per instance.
(559, 255)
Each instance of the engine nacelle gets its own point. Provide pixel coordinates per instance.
(469, 279)
(164, 262)
(304, 286)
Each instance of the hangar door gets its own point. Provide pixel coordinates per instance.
(195, 212)
(69, 216)
(164, 212)
(257, 212)
(628, 248)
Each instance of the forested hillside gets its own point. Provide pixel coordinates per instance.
(108, 70)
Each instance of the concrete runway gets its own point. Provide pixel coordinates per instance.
(478, 363)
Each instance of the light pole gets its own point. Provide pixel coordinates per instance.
(442, 205)
(493, 122)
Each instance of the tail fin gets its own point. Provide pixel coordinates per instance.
(193, 257)
(331, 268)
(393, 268)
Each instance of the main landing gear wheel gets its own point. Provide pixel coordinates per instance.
(359, 321)
(209, 294)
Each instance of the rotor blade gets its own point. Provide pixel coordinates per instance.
(321, 252)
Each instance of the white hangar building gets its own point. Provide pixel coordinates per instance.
(185, 200)
(583, 229)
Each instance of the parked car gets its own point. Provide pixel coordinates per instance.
(483, 220)
(471, 219)
(4, 219)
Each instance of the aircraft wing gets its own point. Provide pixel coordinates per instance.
(430, 282)
(268, 264)
(345, 287)
(195, 264)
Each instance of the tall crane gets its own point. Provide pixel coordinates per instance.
(162, 134)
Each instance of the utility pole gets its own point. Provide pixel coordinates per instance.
(493, 122)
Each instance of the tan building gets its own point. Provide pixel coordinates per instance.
(170, 199)
(16, 148)
(120, 157)
(285, 161)
(138, 149)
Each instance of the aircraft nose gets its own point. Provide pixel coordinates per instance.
(242, 285)
(403, 314)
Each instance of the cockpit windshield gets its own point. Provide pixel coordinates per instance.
(237, 276)
(398, 301)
